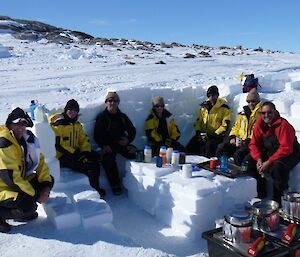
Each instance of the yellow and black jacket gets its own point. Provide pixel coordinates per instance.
(155, 134)
(245, 121)
(19, 167)
(213, 120)
(69, 135)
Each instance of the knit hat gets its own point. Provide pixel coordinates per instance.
(72, 105)
(18, 115)
(212, 90)
(112, 95)
(158, 100)
(253, 95)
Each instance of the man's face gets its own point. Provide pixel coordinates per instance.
(112, 105)
(252, 104)
(159, 108)
(268, 114)
(213, 99)
(18, 129)
(72, 114)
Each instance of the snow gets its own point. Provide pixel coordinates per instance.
(54, 73)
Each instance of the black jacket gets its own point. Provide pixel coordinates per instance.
(110, 128)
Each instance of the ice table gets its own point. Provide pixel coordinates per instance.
(188, 205)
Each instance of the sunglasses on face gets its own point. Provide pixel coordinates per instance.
(158, 106)
(251, 101)
(111, 101)
(268, 112)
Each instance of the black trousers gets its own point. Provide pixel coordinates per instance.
(205, 148)
(279, 171)
(88, 164)
(24, 204)
(110, 165)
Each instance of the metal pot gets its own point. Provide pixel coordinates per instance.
(265, 215)
(291, 204)
(237, 226)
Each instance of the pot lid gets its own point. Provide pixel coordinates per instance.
(292, 196)
(265, 207)
(239, 218)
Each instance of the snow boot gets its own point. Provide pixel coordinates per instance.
(4, 226)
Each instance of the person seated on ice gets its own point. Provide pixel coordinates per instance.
(113, 133)
(24, 176)
(236, 144)
(211, 124)
(274, 151)
(161, 128)
(73, 148)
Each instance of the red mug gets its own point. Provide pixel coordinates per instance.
(213, 162)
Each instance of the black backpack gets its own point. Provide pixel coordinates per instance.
(250, 82)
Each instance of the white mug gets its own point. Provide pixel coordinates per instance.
(187, 170)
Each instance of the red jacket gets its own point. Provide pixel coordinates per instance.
(284, 132)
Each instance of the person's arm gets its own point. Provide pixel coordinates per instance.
(83, 140)
(11, 170)
(225, 122)
(151, 130)
(285, 136)
(130, 129)
(99, 135)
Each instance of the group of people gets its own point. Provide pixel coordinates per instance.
(259, 136)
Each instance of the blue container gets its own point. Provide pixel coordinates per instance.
(158, 161)
(224, 163)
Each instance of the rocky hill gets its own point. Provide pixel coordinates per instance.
(34, 31)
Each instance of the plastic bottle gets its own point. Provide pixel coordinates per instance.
(175, 158)
(169, 154)
(244, 166)
(224, 163)
(32, 108)
(147, 154)
(163, 154)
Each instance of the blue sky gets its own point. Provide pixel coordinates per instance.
(271, 24)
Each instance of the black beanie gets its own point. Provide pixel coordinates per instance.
(212, 90)
(18, 115)
(72, 105)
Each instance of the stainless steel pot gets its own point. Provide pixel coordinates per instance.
(291, 204)
(265, 215)
(237, 226)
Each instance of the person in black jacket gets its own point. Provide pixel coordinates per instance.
(113, 133)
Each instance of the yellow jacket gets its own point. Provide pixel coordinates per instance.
(213, 120)
(243, 127)
(70, 135)
(151, 126)
(14, 175)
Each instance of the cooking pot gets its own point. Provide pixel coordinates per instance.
(291, 204)
(265, 215)
(237, 226)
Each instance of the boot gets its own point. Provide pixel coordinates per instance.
(27, 217)
(101, 192)
(4, 226)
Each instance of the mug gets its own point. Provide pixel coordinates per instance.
(213, 162)
(187, 170)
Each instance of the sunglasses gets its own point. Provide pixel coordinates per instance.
(268, 112)
(251, 101)
(158, 106)
(111, 101)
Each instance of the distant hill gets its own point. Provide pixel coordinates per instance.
(35, 30)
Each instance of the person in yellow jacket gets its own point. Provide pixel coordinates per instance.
(161, 128)
(236, 144)
(73, 148)
(24, 175)
(211, 126)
